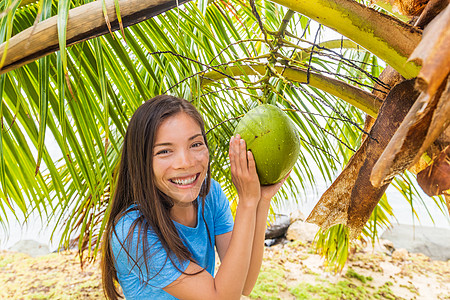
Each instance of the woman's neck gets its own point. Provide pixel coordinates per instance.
(184, 214)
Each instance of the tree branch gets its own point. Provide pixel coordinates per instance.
(388, 38)
(351, 94)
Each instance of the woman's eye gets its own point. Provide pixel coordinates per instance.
(162, 152)
(197, 144)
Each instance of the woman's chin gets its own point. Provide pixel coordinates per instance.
(187, 196)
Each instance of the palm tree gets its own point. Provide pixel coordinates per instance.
(76, 70)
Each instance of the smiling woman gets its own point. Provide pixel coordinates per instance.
(167, 215)
(180, 159)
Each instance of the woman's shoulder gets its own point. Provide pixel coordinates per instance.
(216, 194)
(129, 221)
(129, 216)
(215, 187)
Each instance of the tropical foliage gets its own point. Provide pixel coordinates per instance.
(224, 56)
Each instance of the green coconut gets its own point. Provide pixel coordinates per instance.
(273, 140)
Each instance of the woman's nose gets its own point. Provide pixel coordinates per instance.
(183, 160)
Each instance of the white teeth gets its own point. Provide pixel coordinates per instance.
(184, 181)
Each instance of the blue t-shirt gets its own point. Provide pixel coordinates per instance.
(161, 271)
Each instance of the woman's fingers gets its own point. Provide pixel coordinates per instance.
(231, 155)
(243, 155)
(235, 154)
(238, 156)
(243, 171)
(251, 162)
(242, 161)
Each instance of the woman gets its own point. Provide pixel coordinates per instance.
(167, 214)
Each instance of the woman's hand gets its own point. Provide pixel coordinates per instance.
(243, 172)
(269, 191)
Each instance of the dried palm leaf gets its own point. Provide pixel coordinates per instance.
(433, 52)
(351, 198)
(389, 77)
(433, 8)
(409, 7)
(435, 179)
(439, 123)
(405, 144)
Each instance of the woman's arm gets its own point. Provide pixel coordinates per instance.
(267, 193)
(257, 248)
(223, 240)
(232, 274)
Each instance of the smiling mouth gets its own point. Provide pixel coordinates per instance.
(185, 181)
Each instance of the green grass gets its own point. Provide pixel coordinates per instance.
(385, 292)
(269, 285)
(272, 283)
(352, 274)
(342, 290)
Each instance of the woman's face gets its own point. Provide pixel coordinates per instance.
(180, 158)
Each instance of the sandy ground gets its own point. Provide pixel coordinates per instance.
(289, 271)
(369, 274)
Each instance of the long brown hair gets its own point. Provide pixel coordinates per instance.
(135, 187)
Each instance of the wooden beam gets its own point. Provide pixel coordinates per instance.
(84, 22)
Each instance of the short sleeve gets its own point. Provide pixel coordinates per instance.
(223, 220)
(160, 270)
